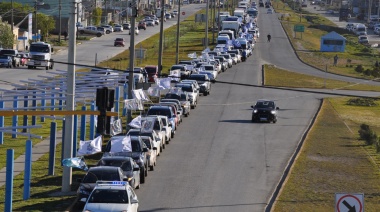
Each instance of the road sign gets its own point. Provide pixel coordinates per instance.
(22, 38)
(349, 202)
(299, 28)
(183, 13)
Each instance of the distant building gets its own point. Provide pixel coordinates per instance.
(333, 42)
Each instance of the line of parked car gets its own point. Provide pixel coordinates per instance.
(12, 58)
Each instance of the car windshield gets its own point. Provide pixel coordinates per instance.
(147, 143)
(119, 39)
(157, 111)
(135, 146)
(109, 196)
(265, 104)
(125, 165)
(197, 77)
(3, 57)
(150, 70)
(172, 96)
(185, 88)
(100, 174)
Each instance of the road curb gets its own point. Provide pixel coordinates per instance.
(289, 166)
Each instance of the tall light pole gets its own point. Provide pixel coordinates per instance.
(213, 22)
(131, 56)
(177, 41)
(60, 23)
(70, 103)
(206, 36)
(160, 48)
(12, 16)
(36, 4)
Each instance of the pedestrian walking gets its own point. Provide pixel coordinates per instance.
(145, 74)
(65, 34)
(269, 37)
(335, 59)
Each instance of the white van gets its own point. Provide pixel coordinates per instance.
(360, 29)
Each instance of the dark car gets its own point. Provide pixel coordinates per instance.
(126, 26)
(119, 42)
(152, 72)
(203, 82)
(130, 168)
(142, 25)
(98, 173)
(5, 61)
(138, 153)
(264, 111)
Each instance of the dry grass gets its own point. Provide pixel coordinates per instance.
(282, 78)
(331, 162)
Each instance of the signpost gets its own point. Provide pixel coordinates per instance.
(298, 28)
(349, 202)
(183, 13)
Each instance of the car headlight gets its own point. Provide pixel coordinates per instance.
(255, 111)
(129, 178)
(82, 190)
(273, 112)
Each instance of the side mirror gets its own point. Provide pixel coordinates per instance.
(134, 201)
(277, 108)
(83, 199)
(145, 149)
(251, 106)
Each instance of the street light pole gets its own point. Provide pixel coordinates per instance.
(177, 42)
(12, 16)
(35, 17)
(60, 23)
(160, 48)
(206, 36)
(131, 80)
(70, 103)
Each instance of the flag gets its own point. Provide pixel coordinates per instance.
(237, 43)
(77, 162)
(163, 83)
(154, 91)
(147, 125)
(116, 127)
(192, 55)
(136, 122)
(90, 147)
(206, 50)
(175, 75)
(121, 144)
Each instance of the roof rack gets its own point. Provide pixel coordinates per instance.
(111, 183)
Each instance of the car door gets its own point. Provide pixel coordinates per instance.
(133, 196)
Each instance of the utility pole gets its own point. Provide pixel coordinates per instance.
(35, 17)
(131, 80)
(177, 42)
(60, 23)
(206, 36)
(219, 22)
(12, 16)
(213, 22)
(70, 103)
(160, 48)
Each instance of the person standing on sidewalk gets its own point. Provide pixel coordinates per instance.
(336, 59)
(269, 37)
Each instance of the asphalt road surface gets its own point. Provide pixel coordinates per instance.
(219, 160)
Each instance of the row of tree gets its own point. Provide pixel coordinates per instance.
(45, 23)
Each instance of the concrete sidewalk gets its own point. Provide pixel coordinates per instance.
(38, 151)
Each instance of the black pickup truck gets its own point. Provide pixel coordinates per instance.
(16, 60)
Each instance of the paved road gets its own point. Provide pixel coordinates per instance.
(101, 48)
(281, 53)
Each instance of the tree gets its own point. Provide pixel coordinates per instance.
(45, 24)
(97, 16)
(6, 36)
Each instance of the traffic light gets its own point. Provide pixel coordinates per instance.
(104, 101)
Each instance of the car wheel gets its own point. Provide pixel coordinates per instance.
(99, 35)
(274, 121)
(172, 134)
(146, 171)
(138, 186)
(47, 68)
(161, 148)
(205, 93)
(151, 168)
(142, 175)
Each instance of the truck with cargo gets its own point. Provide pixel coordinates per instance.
(231, 25)
(40, 55)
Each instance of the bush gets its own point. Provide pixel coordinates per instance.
(362, 102)
(367, 134)
(359, 68)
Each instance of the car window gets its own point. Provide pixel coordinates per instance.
(147, 143)
(265, 104)
(109, 196)
(135, 146)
